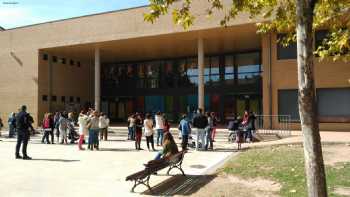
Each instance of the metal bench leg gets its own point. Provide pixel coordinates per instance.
(144, 182)
(178, 167)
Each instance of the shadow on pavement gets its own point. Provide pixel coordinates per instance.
(119, 149)
(56, 160)
(180, 185)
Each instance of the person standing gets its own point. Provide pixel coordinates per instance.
(46, 128)
(104, 123)
(1, 125)
(131, 127)
(185, 129)
(215, 122)
(148, 125)
(200, 122)
(22, 124)
(63, 127)
(208, 131)
(56, 119)
(12, 125)
(82, 121)
(93, 131)
(159, 127)
(138, 131)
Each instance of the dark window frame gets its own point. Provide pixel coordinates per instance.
(44, 98)
(54, 59)
(296, 117)
(291, 48)
(45, 57)
(63, 99)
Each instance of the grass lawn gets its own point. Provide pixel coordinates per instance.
(284, 164)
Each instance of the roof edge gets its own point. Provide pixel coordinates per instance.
(76, 17)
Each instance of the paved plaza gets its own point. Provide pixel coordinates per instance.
(62, 170)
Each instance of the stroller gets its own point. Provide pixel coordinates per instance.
(72, 134)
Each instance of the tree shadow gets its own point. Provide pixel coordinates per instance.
(56, 160)
(180, 185)
(118, 150)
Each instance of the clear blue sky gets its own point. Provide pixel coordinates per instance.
(16, 13)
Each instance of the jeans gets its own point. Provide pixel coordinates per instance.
(184, 142)
(129, 133)
(200, 137)
(149, 139)
(160, 134)
(22, 137)
(159, 155)
(104, 134)
(208, 139)
(46, 136)
(12, 131)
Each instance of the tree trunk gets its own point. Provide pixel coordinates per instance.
(314, 167)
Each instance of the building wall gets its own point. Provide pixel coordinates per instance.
(23, 76)
(328, 74)
(67, 80)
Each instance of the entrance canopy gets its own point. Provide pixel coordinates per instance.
(217, 40)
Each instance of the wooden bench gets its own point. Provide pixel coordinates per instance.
(142, 177)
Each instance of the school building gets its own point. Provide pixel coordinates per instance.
(121, 64)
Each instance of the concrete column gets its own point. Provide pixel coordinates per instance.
(201, 74)
(97, 79)
(50, 82)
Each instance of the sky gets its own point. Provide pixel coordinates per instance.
(17, 13)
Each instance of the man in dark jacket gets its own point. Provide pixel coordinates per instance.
(200, 122)
(22, 124)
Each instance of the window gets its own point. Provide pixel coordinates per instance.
(71, 62)
(192, 71)
(63, 99)
(229, 70)
(71, 99)
(78, 64)
(288, 104)
(319, 37)
(334, 102)
(54, 98)
(63, 60)
(248, 68)
(45, 57)
(54, 58)
(215, 70)
(44, 97)
(78, 99)
(289, 52)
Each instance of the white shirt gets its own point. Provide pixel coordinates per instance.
(148, 124)
(104, 122)
(159, 122)
(82, 121)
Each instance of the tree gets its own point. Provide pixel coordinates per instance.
(299, 19)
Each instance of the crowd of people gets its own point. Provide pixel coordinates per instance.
(200, 129)
(204, 124)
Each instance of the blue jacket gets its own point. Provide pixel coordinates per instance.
(185, 127)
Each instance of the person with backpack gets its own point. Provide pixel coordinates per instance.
(63, 127)
(185, 129)
(200, 122)
(23, 124)
(94, 129)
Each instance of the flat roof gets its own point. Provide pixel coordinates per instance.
(77, 17)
